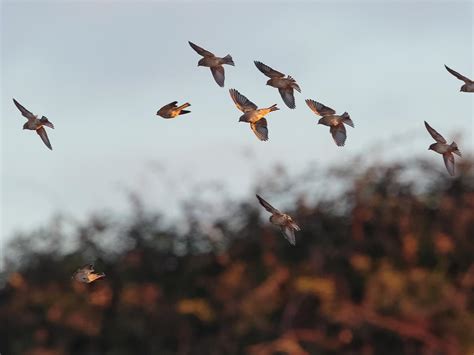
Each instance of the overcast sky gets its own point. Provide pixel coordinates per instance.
(99, 70)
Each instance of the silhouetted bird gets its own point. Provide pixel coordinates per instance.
(86, 274)
(335, 122)
(282, 220)
(213, 62)
(284, 85)
(172, 110)
(443, 148)
(469, 84)
(36, 124)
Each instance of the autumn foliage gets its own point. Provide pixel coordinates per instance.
(384, 264)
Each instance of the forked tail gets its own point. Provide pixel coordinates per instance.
(273, 108)
(456, 150)
(228, 60)
(347, 119)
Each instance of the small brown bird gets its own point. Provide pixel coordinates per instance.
(86, 274)
(282, 220)
(35, 124)
(442, 147)
(172, 110)
(469, 84)
(252, 114)
(284, 85)
(213, 62)
(329, 118)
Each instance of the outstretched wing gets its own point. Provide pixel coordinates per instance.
(288, 97)
(200, 50)
(218, 74)
(319, 109)
(267, 206)
(338, 134)
(242, 103)
(260, 129)
(449, 163)
(457, 75)
(436, 136)
(289, 234)
(44, 137)
(24, 111)
(270, 72)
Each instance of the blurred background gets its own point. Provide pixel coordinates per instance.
(167, 209)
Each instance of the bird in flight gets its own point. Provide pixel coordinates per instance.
(329, 118)
(35, 124)
(252, 114)
(172, 110)
(86, 274)
(468, 83)
(282, 220)
(213, 62)
(442, 147)
(284, 85)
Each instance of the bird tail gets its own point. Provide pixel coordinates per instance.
(347, 119)
(183, 106)
(228, 60)
(44, 120)
(455, 148)
(273, 108)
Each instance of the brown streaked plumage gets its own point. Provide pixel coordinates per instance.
(172, 110)
(252, 114)
(335, 122)
(284, 85)
(35, 124)
(86, 274)
(442, 147)
(282, 220)
(213, 62)
(468, 83)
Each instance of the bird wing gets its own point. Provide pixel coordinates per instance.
(218, 74)
(44, 137)
(267, 206)
(270, 72)
(319, 109)
(436, 136)
(338, 134)
(260, 129)
(24, 111)
(457, 75)
(289, 234)
(242, 103)
(288, 97)
(201, 50)
(449, 162)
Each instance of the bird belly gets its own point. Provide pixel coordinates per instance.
(278, 220)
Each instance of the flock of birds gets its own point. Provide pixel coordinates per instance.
(256, 117)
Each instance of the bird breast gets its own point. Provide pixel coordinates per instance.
(278, 219)
(332, 120)
(441, 148)
(279, 83)
(210, 61)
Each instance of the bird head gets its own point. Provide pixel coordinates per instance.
(464, 88)
(320, 121)
(25, 126)
(431, 147)
(201, 62)
(242, 119)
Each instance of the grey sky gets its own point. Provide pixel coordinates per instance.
(100, 70)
